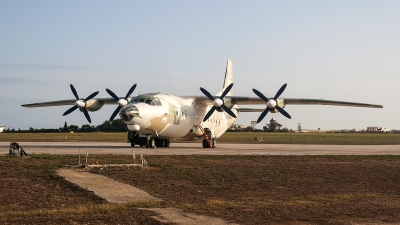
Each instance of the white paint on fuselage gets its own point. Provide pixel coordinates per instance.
(177, 117)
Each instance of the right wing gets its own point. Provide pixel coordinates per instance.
(68, 102)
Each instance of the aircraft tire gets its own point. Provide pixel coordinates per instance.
(163, 142)
(167, 142)
(205, 144)
(152, 143)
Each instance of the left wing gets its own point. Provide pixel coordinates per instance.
(241, 100)
(300, 101)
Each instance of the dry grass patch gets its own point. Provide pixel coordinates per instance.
(241, 189)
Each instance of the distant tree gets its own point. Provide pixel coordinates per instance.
(88, 128)
(284, 129)
(65, 128)
(74, 128)
(117, 125)
(272, 126)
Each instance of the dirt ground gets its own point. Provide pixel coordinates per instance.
(237, 189)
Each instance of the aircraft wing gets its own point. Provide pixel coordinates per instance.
(298, 101)
(240, 100)
(67, 102)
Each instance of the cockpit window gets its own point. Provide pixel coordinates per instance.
(148, 99)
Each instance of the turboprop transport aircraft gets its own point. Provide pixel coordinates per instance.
(154, 118)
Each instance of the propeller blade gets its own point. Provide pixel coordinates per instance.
(115, 97)
(74, 91)
(209, 113)
(205, 92)
(91, 96)
(280, 91)
(73, 108)
(227, 89)
(86, 114)
(130, 91)
(229, 111)
(263, 114)
(260, 95)
(115, 113)
(283, 112)
(112, 94)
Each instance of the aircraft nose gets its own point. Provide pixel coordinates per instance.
(129, 112)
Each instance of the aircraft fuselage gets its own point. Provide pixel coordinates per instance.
(170, 116)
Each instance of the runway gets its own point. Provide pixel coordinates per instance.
(197, 149)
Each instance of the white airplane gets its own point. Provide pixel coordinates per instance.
(154, 118)
(2, 128)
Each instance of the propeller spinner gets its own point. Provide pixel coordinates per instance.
(121, 101)
(218, 102)
(271, 103)
(80, 103)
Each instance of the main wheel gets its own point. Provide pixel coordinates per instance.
(167, 142)
(163, 144)
(152, 143)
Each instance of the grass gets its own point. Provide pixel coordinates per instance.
(241, 189)
(228, 137)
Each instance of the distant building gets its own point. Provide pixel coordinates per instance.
(238, 127)
(377, 129)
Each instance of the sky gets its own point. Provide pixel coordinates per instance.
(347, 50)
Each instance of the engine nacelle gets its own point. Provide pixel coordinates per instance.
(94, 105)
(280, 103)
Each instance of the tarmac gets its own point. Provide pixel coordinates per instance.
(197, 149)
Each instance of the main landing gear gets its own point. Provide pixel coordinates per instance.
(148, 142)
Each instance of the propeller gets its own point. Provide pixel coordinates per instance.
(80, 103)
(121, 101)
(218, 102)
(271, 103)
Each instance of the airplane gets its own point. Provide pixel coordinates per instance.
(2, 128)
(154, 118)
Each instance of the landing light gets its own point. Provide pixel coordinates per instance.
(134, 127)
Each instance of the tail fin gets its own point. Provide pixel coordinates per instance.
(228, 78)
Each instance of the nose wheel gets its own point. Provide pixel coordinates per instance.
(207, 145)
